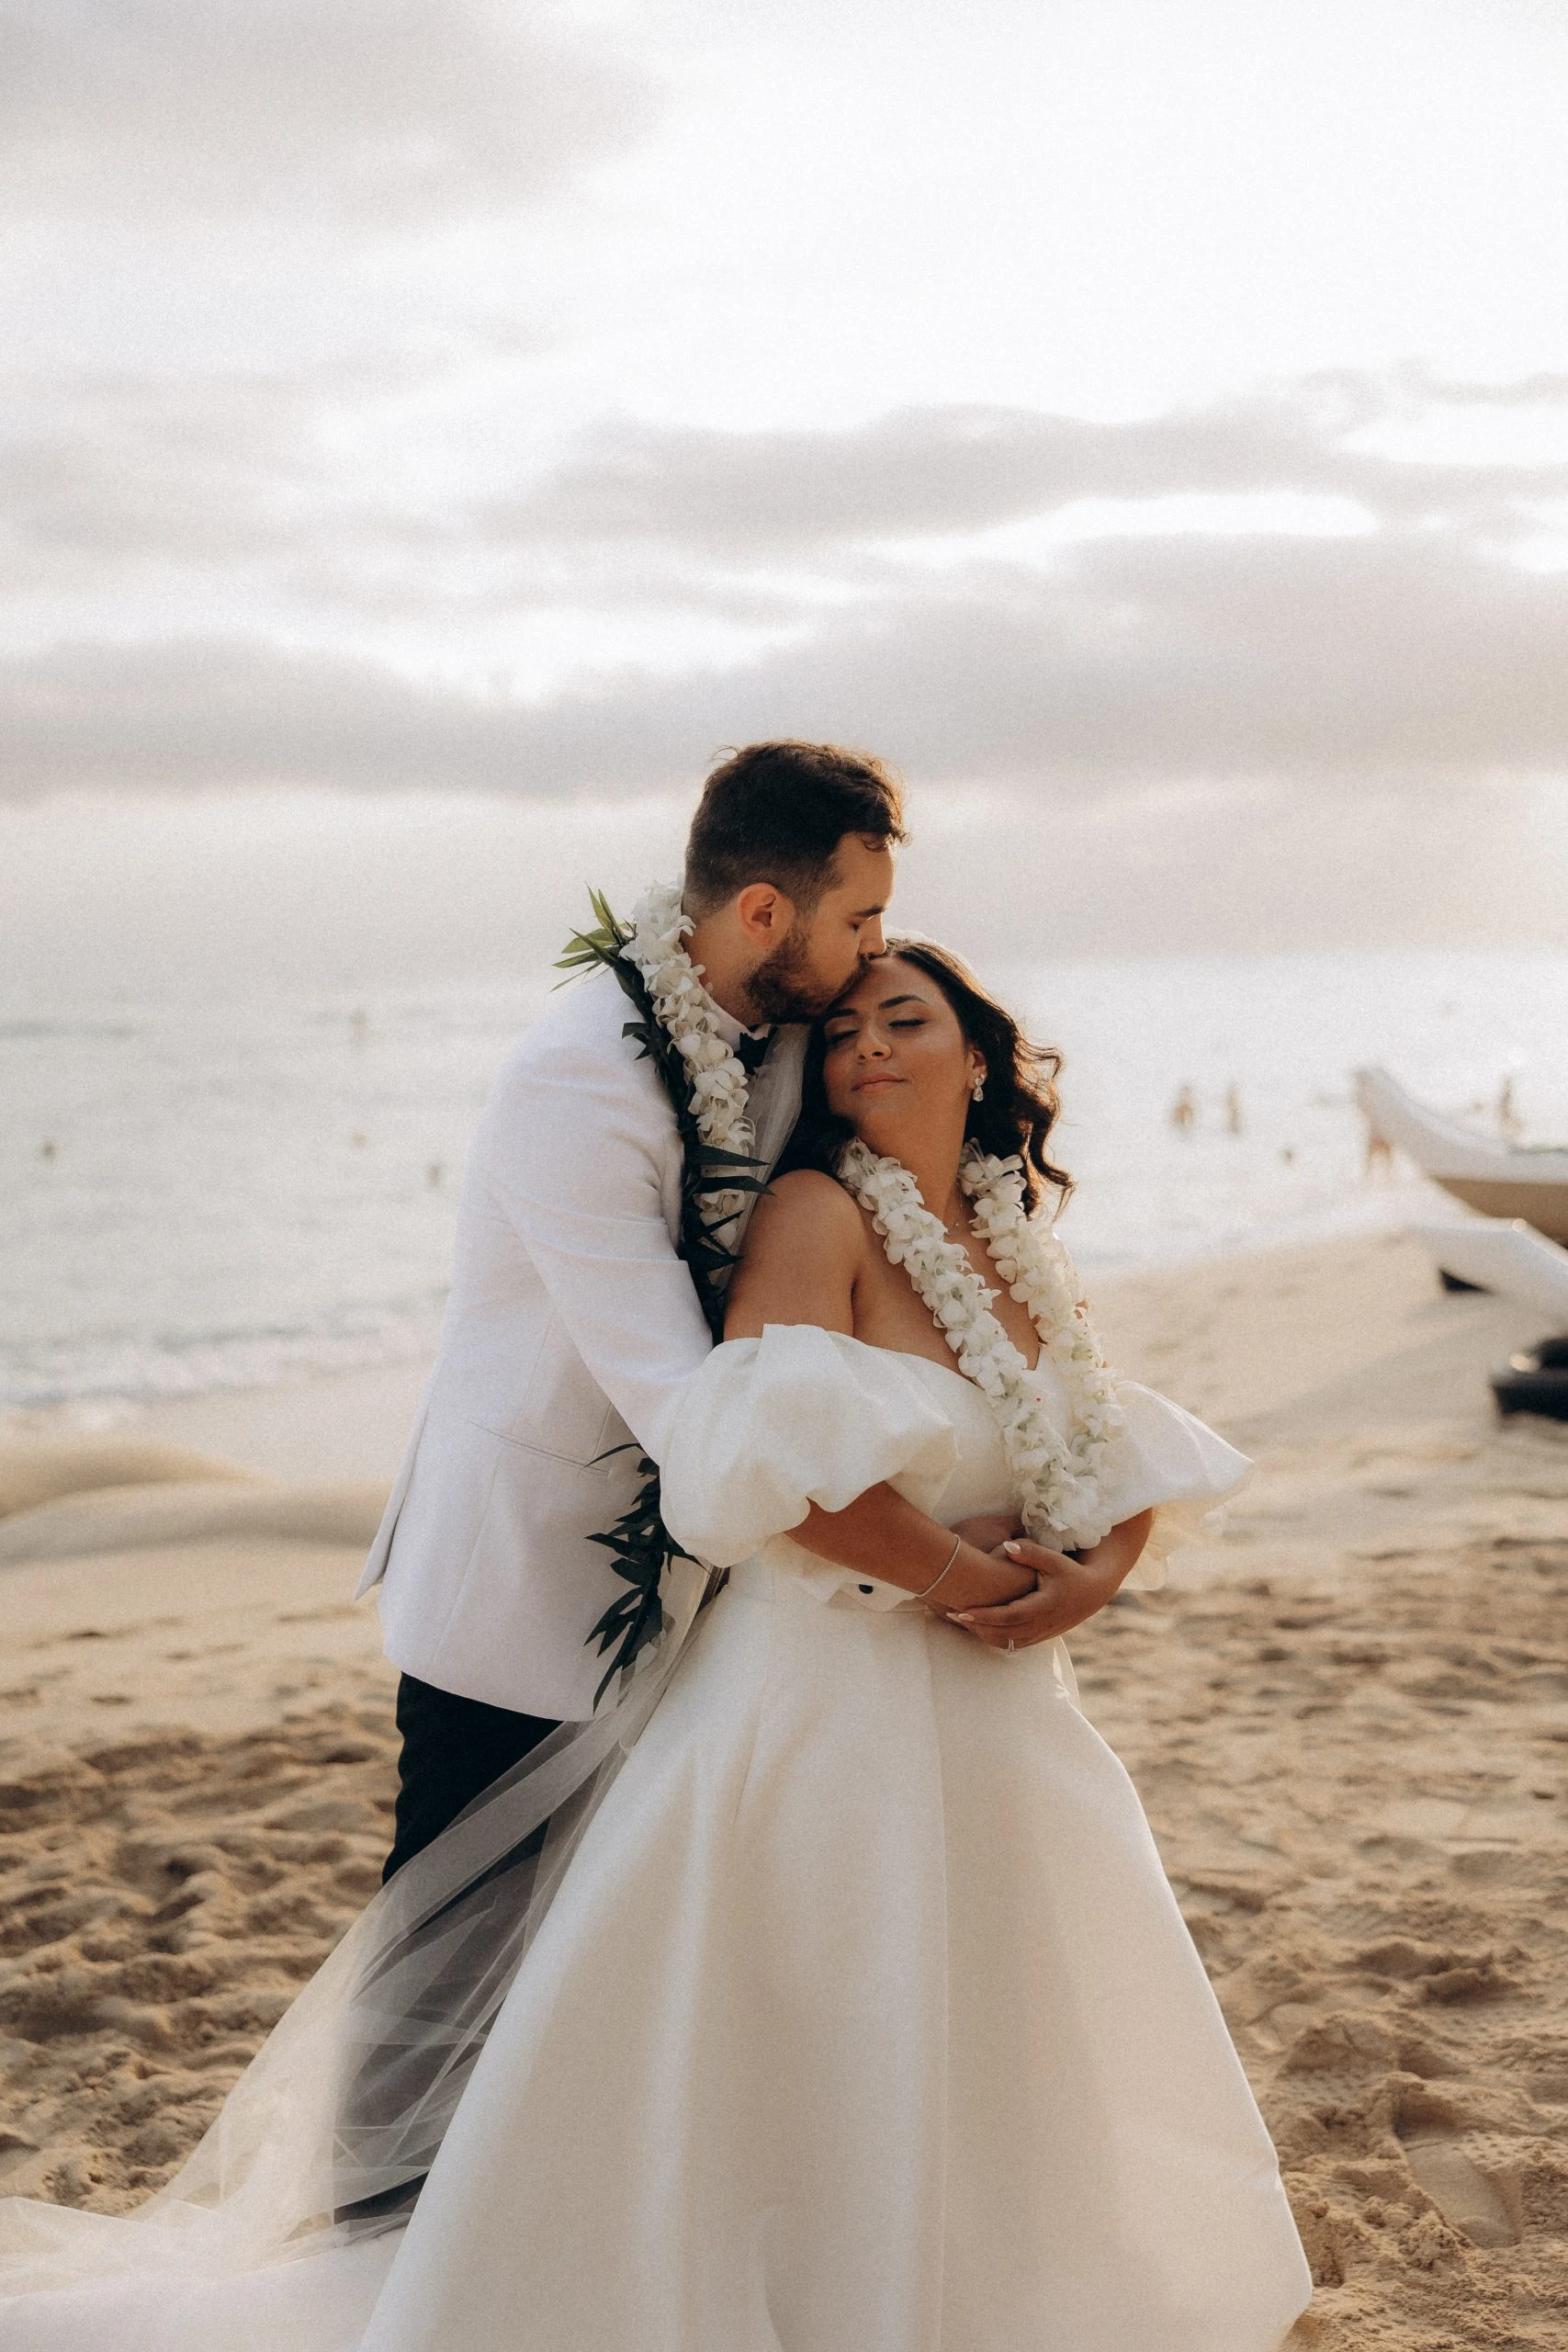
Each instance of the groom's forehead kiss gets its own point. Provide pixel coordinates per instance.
(886, 983)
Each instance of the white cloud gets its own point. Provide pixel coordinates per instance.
(1398, 658)
(367, 114)
(957, 471)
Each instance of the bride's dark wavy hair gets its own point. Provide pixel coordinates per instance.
(1017, 1107)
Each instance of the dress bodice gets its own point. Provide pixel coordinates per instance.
(770, 1426)
(979, 1478)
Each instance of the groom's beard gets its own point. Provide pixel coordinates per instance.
(785, 988)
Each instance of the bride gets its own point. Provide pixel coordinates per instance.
(827, 1990)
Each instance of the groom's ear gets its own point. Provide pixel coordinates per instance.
(764, 913)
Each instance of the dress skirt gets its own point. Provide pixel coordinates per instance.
(864, 2020)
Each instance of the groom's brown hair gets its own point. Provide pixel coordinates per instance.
(775, 812)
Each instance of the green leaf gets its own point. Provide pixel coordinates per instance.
(603, 945)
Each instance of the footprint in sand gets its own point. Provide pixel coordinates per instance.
(1466, 2199)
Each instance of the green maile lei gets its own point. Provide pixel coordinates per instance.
(705, 1087)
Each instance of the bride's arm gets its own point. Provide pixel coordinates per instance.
(803, 1259)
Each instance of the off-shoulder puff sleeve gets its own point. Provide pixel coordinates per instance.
(1168, 1461)
(768, 1427)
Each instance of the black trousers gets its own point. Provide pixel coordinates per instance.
(452, 1749)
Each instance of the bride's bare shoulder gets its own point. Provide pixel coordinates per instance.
(809, 1196)
(804, 1206)
(802, 1257)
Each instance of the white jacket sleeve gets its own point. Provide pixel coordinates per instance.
(574, 1155)
(1166, 1460)
(768, 1427)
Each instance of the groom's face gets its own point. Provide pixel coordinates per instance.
(825, 950)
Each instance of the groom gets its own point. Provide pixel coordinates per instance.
(572, 1323)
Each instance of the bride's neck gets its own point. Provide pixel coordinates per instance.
(936, 1177)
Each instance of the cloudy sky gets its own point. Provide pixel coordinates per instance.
(433, 428)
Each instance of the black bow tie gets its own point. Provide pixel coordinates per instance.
(752, 1052)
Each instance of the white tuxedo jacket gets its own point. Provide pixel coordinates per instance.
(570, 1329)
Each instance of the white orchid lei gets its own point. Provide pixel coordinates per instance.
(1059, 1486)
(678, 1028)
(690, 1019)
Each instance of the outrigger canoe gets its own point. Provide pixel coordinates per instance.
(1502, 1179)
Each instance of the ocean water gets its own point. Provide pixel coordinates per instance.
(230, 1195)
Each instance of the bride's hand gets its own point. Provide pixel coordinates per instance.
(1066, 1591)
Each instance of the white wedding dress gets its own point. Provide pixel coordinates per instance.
(862, 2020)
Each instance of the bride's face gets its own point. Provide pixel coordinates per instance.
(895, 1062)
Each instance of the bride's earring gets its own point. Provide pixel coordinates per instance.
(976, 1092)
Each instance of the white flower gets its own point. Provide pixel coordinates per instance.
(1060, 1487)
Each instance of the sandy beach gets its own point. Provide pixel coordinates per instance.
(1348, 1717)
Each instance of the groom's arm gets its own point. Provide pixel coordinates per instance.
(573, 1156)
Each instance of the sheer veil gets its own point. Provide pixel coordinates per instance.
(327, 2135)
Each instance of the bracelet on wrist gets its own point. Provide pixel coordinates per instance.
(957, 1547)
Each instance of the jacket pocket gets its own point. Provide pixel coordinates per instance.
(565, 1414)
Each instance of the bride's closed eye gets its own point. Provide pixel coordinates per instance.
(834, 1038)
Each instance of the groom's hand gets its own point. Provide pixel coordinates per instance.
(1066, 1591)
